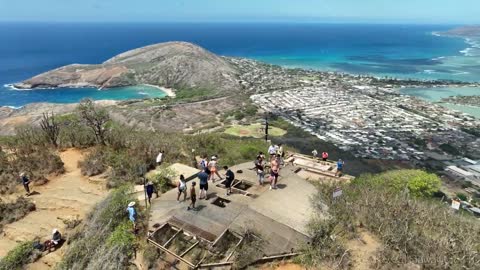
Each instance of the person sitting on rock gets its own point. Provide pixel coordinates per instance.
(55, 241)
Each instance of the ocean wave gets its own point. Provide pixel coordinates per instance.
(439, 58)
(475, 43)
(13, 107)
(467, 52)
(143, 93)
(429, 71)
(458, 73)
(10, 86)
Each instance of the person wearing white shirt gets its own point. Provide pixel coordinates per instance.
(272, 151)
(160, 158)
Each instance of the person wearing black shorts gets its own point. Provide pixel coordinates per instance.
(193, 197)
(203, 176)
(25, 182)
(205, 188)
(229, 177)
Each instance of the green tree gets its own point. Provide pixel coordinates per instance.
(462, 196)
(95, 118)
(419, 183)
(424, 184)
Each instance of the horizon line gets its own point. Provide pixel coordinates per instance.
(248, 22)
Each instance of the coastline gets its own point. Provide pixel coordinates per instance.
(168, 91)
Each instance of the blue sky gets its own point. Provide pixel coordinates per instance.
(381, 11)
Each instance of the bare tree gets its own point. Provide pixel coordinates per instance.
(95, 118)
(50, 128)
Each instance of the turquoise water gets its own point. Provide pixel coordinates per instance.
(17, 98)
(436, 94)
(473, 111)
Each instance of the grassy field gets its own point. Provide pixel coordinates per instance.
(254, 130)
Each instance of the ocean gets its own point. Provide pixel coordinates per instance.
(406, 51)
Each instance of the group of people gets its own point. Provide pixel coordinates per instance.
(276, 161)
(210, 167)
(340, 162)
(208, 171)
(324, 155)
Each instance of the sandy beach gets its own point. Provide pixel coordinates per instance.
(168, 91)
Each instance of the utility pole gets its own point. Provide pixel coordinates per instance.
(266, 126)
(142, 171)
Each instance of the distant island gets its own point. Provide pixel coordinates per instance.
(464, 31)
(177, 65)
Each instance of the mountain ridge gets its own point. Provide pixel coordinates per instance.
(174, 65)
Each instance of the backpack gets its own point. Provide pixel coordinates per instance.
(232, 175)
(203, 164)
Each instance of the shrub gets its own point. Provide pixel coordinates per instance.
(467, 184)
(151, 255)
(123, 238)
(18, 257)
(36, 159)
(11, 212)
(92, 246)
(462, 196)
(450, 149)
(249, 251)
(324, 248)
(73, 133)
(413, 229)
(163, 179)
(95, 118)
(94, 163)
(418, 183)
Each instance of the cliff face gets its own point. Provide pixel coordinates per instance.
(172, 64)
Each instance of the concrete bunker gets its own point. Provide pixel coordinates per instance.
(194, 247)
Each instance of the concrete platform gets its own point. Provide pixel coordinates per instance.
(178, 169)
(280, 216)
(317, 170)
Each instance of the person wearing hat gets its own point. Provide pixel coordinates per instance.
(213, 167)
(193, 197)
(25, 182)
(56, 238)
(132, 214)
(150, 188)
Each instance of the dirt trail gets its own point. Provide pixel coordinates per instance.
(363, 250)
(63, 197)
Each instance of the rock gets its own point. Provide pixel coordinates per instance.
(177, 65)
